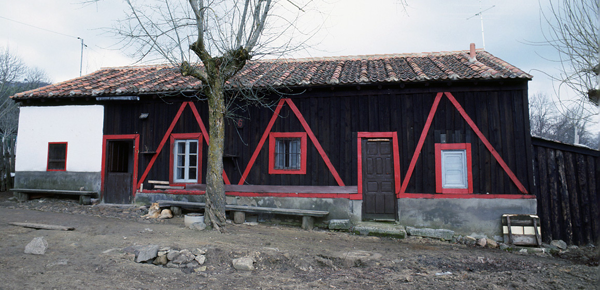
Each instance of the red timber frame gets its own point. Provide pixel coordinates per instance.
(438, 167)
(396, 154)
(136, 143)
(167, 137)
(315, 142)
(185, 136)
(273, 137)
(48, 157)
(413, 162)
(310, 133)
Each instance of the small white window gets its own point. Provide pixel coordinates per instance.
(454, 169)
(186, 161)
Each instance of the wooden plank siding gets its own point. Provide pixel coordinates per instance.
(567, 190)
(336, 115)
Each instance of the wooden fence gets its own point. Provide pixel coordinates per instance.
(567, 183)
(7, 161)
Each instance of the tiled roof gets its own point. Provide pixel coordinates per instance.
(329, 71)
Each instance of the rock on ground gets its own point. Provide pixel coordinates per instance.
(37, 246)
(559, 244)
(183, 257)
(340, 224)
(146, 253)
(243, 264)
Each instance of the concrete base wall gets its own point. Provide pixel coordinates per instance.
(463, 216)
(339, 208)
(62, 180)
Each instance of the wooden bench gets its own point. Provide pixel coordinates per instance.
(85, 196)
(240, 210)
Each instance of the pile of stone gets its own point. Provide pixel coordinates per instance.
(171, 258)
(187, 260)
(482, 241)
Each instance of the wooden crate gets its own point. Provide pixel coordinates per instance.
(521, 229)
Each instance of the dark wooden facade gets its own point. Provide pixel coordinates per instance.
(499, 109)
(567, 188)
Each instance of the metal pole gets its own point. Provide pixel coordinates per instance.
(482, 36)
(81, 59)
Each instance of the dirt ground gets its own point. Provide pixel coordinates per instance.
(286, 257)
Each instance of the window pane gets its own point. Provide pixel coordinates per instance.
(180, 160)
(180, 173)
(193, 147)
(279, 156)
(454, 169)
(180, 147)
(192, 173)
(57, 155)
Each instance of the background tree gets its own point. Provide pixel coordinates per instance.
(568, 125)
(15, 77)
(212, 40)
(573, 31)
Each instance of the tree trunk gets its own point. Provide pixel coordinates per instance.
(215, 190)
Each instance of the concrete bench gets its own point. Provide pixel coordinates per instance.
(85, 196)
(240, 210)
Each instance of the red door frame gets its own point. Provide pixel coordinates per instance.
(124, 137)
(396, 154)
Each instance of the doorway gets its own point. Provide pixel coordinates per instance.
(378, 183)
(119, 170)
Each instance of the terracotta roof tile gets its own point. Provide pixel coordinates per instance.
(344, 70)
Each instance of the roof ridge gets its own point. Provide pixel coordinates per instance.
(311, 58)
(369, 56)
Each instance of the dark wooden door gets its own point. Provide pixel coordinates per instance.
(379, 198)
(118, 177)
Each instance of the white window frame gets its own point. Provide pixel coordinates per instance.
(187, 156)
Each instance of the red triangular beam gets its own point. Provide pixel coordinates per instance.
(309, 132)
(475, 129)
(168, 134)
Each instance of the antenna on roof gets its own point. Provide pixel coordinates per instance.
(480, 13)
(81, 60)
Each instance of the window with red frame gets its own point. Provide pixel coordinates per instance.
(453, 168)
(57, 156)
(287, 153)
(185, 158)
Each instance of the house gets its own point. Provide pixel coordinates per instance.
(427, 139)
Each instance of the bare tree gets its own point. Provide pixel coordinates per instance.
(542, 115)
(212, 40)
(15, 77)
(573, 31)
(568, 125)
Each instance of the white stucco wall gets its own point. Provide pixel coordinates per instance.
(80, 126)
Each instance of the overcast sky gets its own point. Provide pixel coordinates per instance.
(44, 32)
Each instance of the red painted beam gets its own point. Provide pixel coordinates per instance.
(261, 142)
(162, 144)
(487, 144)
(413, 161)
(316, 143)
